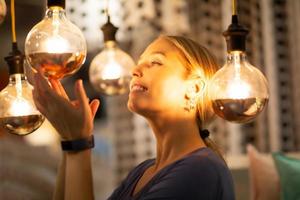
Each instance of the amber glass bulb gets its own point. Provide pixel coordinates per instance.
(110, 70)
(55, 45)
(239, 91)
(18, 114)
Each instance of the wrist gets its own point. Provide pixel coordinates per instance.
(78, 145)
(78, 154)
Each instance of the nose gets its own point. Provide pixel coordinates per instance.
(137, 71)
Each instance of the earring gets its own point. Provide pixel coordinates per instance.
(190, 103)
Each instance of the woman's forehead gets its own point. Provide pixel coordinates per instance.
(160, 46)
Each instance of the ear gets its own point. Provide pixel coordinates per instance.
(195, 87)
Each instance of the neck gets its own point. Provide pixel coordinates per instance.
(175, 138)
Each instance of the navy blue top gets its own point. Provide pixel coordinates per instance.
(200, 175)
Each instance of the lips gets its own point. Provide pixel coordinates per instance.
(138, 88)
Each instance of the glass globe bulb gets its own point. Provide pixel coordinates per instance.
(238, 91)
(55, 45)
(18, 114)
(110, 70)
(2, 10)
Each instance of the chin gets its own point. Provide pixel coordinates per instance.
(137, 107)
(133, 106)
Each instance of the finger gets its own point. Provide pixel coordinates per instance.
(62, 89)
(38, 93)
(38, 90)
(56, 85)
(81, 95)
(42, 85)
(37, 101)
(94, 105)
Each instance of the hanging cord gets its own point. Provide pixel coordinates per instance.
(234, 7)
(15, 59)
(13, 26)
(107, 9)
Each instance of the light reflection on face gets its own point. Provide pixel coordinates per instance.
(158, 83)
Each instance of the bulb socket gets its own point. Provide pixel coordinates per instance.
(60, 3)
(109, 31)
(15, 60)
(235, 36)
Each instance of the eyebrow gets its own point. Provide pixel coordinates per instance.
(154, 53)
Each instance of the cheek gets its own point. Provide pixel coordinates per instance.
(170, 92)
(166, 94)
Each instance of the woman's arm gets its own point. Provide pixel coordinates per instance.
(59, 192)
(79, 182)
(74, 178)
(73, 120)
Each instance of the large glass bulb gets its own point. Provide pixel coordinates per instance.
(110, 70)
(239, 91)
(18, 114)
(2, 10)
(55, 45)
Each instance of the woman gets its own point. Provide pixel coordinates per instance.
(168, 88)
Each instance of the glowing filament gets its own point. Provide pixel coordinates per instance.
(56, 44)
(20, 107)
(112, 70)
(238, 90)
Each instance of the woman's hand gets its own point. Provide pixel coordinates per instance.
(71, 119)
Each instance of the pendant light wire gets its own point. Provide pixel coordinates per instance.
(107, 8)
(13, 25)
(234, 7)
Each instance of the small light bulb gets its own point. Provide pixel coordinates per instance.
(110, 70)
(238, 91)
(55, 45)
(18, 114)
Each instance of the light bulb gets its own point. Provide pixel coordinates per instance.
(55, 45)
(2, 10)
(18, 114)
(110, 70)
(239, 91)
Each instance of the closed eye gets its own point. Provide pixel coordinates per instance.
(156, 63)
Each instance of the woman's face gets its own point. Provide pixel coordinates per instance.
(159, 80)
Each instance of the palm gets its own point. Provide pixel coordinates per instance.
(72, 119)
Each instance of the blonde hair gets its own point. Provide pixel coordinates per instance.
(200, 63)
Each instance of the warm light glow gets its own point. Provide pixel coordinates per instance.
(20, 107)
(112, 70)
(56, 44)
(238, 90)
(46, 135)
